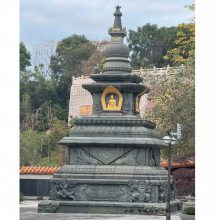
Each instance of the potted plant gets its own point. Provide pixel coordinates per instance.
(188, 213)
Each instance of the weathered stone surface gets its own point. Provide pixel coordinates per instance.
(112, 141)
(125, 121)
(112, 169)
(27, 213)
(132, 156)
(109, 189)
(111, 207)
(48, 207)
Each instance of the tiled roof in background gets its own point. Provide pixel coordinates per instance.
(189, 163)
(51, 170)
(38, 170)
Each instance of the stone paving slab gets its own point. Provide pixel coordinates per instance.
(28, 211)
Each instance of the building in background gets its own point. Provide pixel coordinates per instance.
(80, 100)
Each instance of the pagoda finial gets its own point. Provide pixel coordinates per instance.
(117, 14)
(117, 30)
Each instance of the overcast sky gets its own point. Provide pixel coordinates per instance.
(43, 20)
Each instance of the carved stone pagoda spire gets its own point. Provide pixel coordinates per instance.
(116, 76)
(117, 52)
(117, 14)
(114, 155)
(117, 30)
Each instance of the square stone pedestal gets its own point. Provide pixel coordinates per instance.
(111, 189)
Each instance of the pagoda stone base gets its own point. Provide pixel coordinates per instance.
(101, 207)
(112, 189)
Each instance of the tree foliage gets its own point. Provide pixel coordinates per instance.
(149, 44)
(41, 54)
(39, 101)
(41, 148)
(66, 62)
(184, 50)
(68, 56)
(25, 57)
(174, 102)
(44, 99)
(31, 143)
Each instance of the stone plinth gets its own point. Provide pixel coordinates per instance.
(106, 207)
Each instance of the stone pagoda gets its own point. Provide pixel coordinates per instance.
(114, 155)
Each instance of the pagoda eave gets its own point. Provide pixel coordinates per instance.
(117, 77)
(123, 87)
(109, 141)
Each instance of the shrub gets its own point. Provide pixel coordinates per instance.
(189, 211)
(21, 197)
(184, 179)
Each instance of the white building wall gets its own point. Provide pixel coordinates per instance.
(79, 96)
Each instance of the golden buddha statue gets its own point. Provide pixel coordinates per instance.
(112, 105)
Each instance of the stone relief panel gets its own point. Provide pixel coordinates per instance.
(63, 189)
(104, 192)
(140, 191)
(129, 158)
(84, 157)
(72, 190)
(161, 197)
(114, 156)
(132, 191)
(105, 156)
(162, 192)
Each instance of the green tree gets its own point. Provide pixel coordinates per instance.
(25, 112)
(174, 102)
(42, 148)
(31, 143)
(66, 62)
(149, 44)
(41, 54)
(43, 100)
(54, 154)
(25, 57)
(184, 50)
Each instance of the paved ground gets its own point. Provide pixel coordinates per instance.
(28, 211)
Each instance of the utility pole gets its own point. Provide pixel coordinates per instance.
(170, 139)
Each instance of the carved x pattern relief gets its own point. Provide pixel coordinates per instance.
(106, 156)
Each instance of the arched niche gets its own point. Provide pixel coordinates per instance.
(111, 99)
